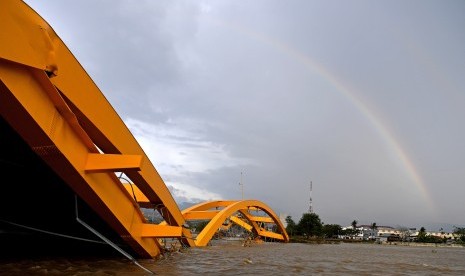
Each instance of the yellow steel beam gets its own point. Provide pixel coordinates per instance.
(248, 216)
(198, 215)
(29, 110)
(49, 99)
(33, 47)
(97, 162)
(259, 230)
(134, 191)
(241, 223)
(109, 132)
(160, 231)
(269, 234)
(204, 206)
(207, 233)
(260, 219)
(41, 48)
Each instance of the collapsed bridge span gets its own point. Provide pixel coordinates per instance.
(61, 138)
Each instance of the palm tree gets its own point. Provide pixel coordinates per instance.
(354, 226)
(373, 228)
(421, 237)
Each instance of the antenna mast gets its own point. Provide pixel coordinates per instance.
(310, 207)
(242, 187)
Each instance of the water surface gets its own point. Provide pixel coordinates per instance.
(265, 259)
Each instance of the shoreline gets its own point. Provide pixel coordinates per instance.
(422, 244)
(341, 241)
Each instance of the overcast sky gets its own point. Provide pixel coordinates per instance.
(364, 98)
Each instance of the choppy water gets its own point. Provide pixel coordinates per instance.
(265, 259)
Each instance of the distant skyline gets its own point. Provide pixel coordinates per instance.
(366, 99)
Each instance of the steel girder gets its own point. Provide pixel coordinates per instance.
(53, 104)
(219, 211)
(49, 99)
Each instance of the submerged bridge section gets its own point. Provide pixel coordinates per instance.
(243, 213)
(57, 124)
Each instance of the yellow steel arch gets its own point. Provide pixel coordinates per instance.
(219, 211)
(53, 104)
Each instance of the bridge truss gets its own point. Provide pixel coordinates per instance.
(56, 108)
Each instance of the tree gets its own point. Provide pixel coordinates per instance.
(422, 235)
(291, 226)
(460, 232)
(354, 224)
(331, 230)
(354, 228)
(310, 225)
(373, 229)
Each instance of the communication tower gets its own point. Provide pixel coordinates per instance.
(310, 207)
(242, 187)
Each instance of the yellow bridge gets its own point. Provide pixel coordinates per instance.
(64, 151)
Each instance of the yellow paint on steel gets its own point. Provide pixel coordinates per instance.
(270, 234)
(241, 223)
(200, 215)
(257, 228)
(229, 210)
(97, 162)
(211, 209)
(245, 213)
(102, 124)
(108, 131)
(140, 197)
(161, 231)
(29, 110)
(205, 206)
(260, 219)
(33, 47)
(65, 117)
(49, 99)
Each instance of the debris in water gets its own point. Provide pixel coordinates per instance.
(248, 261)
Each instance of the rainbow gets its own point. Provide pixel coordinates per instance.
(391, 142)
